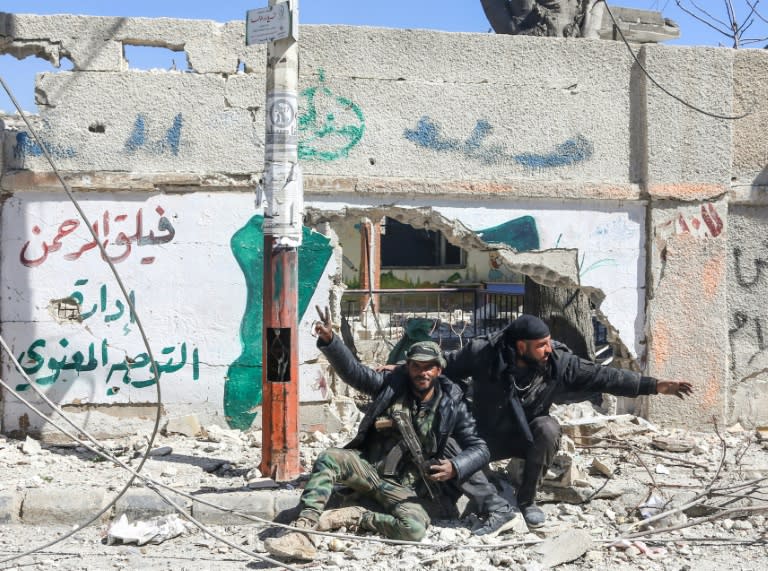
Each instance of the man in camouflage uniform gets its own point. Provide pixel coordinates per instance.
(377, 463)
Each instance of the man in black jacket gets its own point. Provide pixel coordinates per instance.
(516, 375)
(378, 463)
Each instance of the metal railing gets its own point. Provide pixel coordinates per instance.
(453, 315)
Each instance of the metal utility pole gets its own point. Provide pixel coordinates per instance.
(283, 210)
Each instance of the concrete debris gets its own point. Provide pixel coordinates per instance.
(661, 469)
(254, 438)
(219, 435)
(603, 467)
(31, 447)
(590, 430)
(161, 451)
(188, 425)
(735, 428)
(262, 484)
(564, 548)
(672, 444)
(591, 491)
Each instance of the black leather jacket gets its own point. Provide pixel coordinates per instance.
(483, 359)
(453, 418)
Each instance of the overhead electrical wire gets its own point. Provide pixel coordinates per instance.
(657, 84)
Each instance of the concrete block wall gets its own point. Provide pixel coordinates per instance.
(459, 131)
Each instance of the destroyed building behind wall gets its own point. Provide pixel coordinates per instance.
(653, 207)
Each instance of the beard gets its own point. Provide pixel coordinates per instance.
(418, 391)
(535, 364)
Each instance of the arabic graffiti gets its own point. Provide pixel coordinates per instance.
(169, 143)
(32, 362)
(242, 388)
(748, 277)
(25, 145)
(712, 223)
(116, 250)
(331, 126)
(77, 299)
(428, 135)
(128, 370)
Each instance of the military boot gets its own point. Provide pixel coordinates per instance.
(293, 544)
(350, 517)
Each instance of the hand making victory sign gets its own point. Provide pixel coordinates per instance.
(324, 328)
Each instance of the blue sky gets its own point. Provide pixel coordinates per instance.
(446, 15)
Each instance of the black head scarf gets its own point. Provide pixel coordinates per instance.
(526, 328)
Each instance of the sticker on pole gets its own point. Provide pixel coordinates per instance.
(281, 126)
(269, 24)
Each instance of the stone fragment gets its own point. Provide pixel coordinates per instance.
(161, 451)
(253, 474)
(262, 484)
(571, 495)
(673, 444)
(735, 428)
(188, 425)
(604, 467)
(254, 438)
(215, 433)
(565, 547)
(589, 430)
(30, 447)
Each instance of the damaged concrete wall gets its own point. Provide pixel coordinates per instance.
(628, 188)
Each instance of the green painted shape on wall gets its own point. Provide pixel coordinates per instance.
(520, 234)
(242, 386)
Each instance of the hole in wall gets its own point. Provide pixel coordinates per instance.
(20, 77)
(97, 128)
(155, 57)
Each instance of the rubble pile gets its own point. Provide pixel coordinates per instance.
(622, 494)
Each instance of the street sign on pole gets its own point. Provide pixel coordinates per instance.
(269, 24)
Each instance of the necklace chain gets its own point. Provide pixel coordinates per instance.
(519, 388)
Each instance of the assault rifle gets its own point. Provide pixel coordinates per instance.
(404, 425)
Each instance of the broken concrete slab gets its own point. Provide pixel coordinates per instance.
(565, 547)
(188, 425)
(673, 443)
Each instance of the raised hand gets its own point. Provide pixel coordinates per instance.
(324, 327)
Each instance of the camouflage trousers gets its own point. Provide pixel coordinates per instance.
(406, 518)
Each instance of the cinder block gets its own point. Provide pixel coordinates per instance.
(62, 506)
(10, 507)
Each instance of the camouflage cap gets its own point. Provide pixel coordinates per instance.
(426, 351)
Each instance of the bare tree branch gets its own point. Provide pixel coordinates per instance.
(733, 26)
(708, 15)
(754, 10)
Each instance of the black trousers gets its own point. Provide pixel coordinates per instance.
(538, 457)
